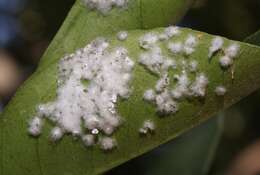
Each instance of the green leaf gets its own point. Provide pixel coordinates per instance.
(79, 28)
(192, 152)
(83, 25)
(37, 156)
(189, 154)
(254, 39)
(240, 122)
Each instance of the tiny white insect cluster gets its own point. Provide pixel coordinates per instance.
(187, 48)
(122, 35)
(104, 6)
(91, 81)
(230, 52)
(216, 45)
(165, 97)
(220, 90)
(88, 111)
(147, 127)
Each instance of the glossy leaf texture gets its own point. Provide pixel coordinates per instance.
(26, 155)
(80, 27)
(191, 153)
(83, 25)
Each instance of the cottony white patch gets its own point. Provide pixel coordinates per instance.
(198, 88)
(148, 41)
(162, 83)
(56, 134)
(193, 66)
(163, 37)
(149, 95)
(104, 6)
(122, 35)
(191, 41)
(216, 45)
(108, 74)
(35, 126)
(220, 90)
(232, 50)
(155, 61)
(107, 143)
(165, 104)
(189, 45)
(88, 140)
(148, 126)
(188, 50)
(152, 59)
(225, 61)
(172, 31)
(182, 88)
(175, 47)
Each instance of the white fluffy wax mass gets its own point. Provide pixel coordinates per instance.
(148, 41)
(148, 126)
(175, 47)
(189, 45)
(225, 61)
(104, 6)
(199, 86)
(88, 140)
(107, 143)
(220, 90)
(216, 45)
(232, 50)
(149, 95)
(122, 35)
(107, 74)
(35, 126)
(172, 31)
(182, 87)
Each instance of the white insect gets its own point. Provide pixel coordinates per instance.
(88, 140)
(181, 89)
(56, 133)
(122, 35)
(232, 50)
(198, 88)
(225, 61)
(148, 40)
(104, 6)
(172, 31)
(165, 104)
(175, 48)
(162, 83)
(148, 126)
(35, 126)
(153, 60)
(220, 90)
(149, 95)
(107, 143)
(191, 41)
(189, 45)
(216, 45)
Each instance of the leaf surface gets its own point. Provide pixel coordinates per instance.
(37, 156)
(189, 154)
(22, 154)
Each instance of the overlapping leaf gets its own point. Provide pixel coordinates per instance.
(21, 154)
